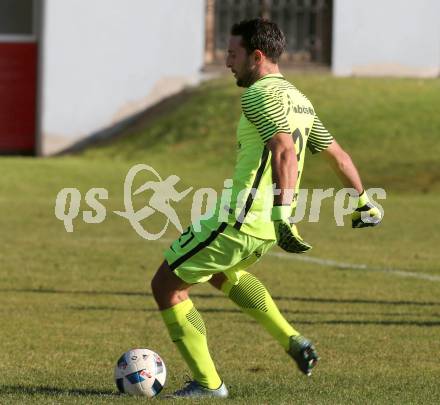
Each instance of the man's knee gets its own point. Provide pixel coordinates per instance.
(168, 289)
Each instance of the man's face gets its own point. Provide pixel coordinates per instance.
(240, 63)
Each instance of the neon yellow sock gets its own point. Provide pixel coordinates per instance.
(188, 332)
(254, 299)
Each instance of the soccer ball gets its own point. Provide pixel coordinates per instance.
(140, 372)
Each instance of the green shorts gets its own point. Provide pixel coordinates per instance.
(197, 255)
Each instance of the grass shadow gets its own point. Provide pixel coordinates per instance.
(47, 390)
(239, 311)
(217, 296)
(370, 322)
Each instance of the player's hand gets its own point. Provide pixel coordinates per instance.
(366, 214)
(287, 234)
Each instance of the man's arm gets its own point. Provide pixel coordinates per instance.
(284, 174)
(366, 214)
(284, 167)
(343, 166)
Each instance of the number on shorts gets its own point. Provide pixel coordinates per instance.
(182, 241)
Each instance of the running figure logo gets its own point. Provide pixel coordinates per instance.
(164, 191)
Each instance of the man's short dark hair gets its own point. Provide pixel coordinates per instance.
(261, 34)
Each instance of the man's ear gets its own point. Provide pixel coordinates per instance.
(258, 57)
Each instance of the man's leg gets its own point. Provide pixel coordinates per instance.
(254, 299)
(185, 325)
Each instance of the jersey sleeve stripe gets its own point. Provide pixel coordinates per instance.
(257, 105)
(263, 107)
(279, 117)
(255, 111)
(319, 138)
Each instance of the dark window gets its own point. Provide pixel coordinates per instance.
(16, 17)
(306, 24)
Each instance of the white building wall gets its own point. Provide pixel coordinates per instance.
(386, 37)
(105, 60)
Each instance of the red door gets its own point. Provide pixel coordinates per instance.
(18, 77)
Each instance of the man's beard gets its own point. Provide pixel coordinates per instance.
(247, 79)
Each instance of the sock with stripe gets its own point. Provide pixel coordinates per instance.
(188, 332)
(254, 299)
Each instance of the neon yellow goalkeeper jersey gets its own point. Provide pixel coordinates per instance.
(270, 106)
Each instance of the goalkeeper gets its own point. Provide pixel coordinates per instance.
(276, 125)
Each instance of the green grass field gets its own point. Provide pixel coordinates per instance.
(71, 303)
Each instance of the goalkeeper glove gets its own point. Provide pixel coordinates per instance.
(366, 214)
(287, 234)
